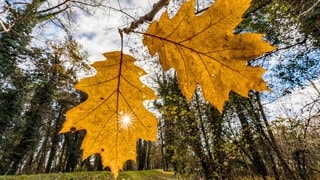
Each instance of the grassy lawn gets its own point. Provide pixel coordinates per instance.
(98, 175)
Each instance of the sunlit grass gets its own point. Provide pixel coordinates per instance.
(95, 175)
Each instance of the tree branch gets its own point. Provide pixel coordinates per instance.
(54, 7)
(148, 17)
(68, 4)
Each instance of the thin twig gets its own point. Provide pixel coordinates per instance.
(314, 86)
(119, 10)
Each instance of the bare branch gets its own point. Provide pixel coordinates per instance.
(148, 17)
(68, 4)
(87, 4)
(54, 7)
(310, 9)
(5, 29)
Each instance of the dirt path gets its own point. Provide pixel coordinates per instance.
(165, 175)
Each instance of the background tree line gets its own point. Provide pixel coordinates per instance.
(195, 140)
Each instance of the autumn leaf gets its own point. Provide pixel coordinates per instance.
(204, 51)
(113, 115)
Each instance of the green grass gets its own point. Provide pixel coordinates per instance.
(97, 175)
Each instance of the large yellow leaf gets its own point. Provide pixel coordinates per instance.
(204, 50)
(113, 115)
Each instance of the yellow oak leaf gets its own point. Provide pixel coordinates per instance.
(113, 115)
(204, 51)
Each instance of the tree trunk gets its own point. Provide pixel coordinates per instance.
(73, 154)
(149, 145)
(194, 140)
(54, 140)
(141, 156)
(212, 164)
(257, 160)
(265, 141)
(98, 163)
(42, 156)
(274, 144)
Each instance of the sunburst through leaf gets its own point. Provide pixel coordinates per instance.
(126, 120)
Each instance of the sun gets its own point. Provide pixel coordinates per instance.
(125, 120)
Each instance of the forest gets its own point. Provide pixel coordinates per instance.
(265, 134)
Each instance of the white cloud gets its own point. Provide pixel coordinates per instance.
(98, 33)
(298, 104)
